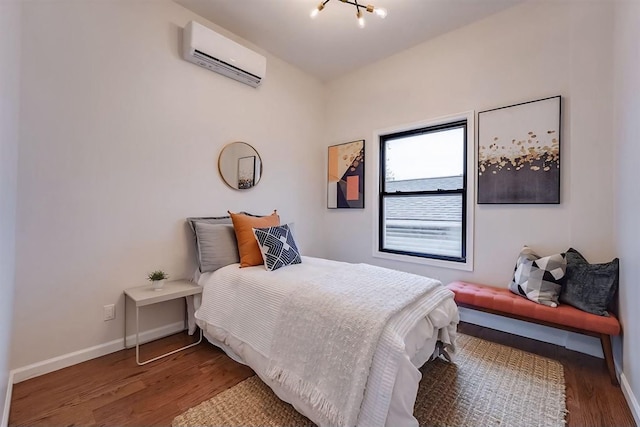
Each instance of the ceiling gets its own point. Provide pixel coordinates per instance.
(332, 43)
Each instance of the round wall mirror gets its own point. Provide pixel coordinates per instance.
(240, 165)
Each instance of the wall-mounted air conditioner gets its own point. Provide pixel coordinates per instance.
(208, 49)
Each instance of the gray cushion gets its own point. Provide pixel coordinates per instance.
(589, 287)
(215, 242)
(538, 278)
(216, 245)
(208, 220)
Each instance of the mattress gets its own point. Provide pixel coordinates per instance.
(239, 312)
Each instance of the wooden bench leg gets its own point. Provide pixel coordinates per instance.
(605, 340)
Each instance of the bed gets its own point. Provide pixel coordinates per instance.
(341, 342)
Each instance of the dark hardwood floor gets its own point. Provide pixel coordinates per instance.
(114, 391)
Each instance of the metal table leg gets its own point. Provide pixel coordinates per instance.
(163, 355)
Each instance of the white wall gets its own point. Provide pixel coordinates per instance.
(9, 112)
(527, 52)
(626, 111)
(119, 144)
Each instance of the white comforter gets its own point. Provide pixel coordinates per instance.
(243, 305)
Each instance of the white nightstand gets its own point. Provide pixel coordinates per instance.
(145, 295)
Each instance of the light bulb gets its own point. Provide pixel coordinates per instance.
(317, 10)
(381, 12)
(361, 22)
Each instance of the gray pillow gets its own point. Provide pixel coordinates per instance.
(589, 287)
(538, 278)
(208, 220)
(214, 246)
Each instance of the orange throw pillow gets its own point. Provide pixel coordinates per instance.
(248, 248)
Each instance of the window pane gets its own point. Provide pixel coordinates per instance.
(425, 162)
(430, 225)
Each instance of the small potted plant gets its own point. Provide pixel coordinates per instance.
(157, 279)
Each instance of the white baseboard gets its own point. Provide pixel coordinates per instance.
(66, 360)
(631, 398)
(4, 421)
(570, 340)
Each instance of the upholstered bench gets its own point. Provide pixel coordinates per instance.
(503, 302)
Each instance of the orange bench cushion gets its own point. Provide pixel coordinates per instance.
(503, 300)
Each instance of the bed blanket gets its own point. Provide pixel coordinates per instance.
(332, 324)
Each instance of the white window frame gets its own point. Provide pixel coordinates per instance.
(374, 187)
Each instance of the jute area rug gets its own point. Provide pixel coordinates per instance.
(487, 385)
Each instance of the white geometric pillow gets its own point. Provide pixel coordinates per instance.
(277, 246)
(538, 279)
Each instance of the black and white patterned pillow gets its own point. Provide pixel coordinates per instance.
(277, 246)
(538, 278)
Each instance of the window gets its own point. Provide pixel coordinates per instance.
(424, 194)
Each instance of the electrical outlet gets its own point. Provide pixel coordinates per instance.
(109, 312)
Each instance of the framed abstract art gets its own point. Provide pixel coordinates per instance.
(345, 181)
(519, 153)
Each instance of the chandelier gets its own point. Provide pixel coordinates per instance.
(382, 13)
